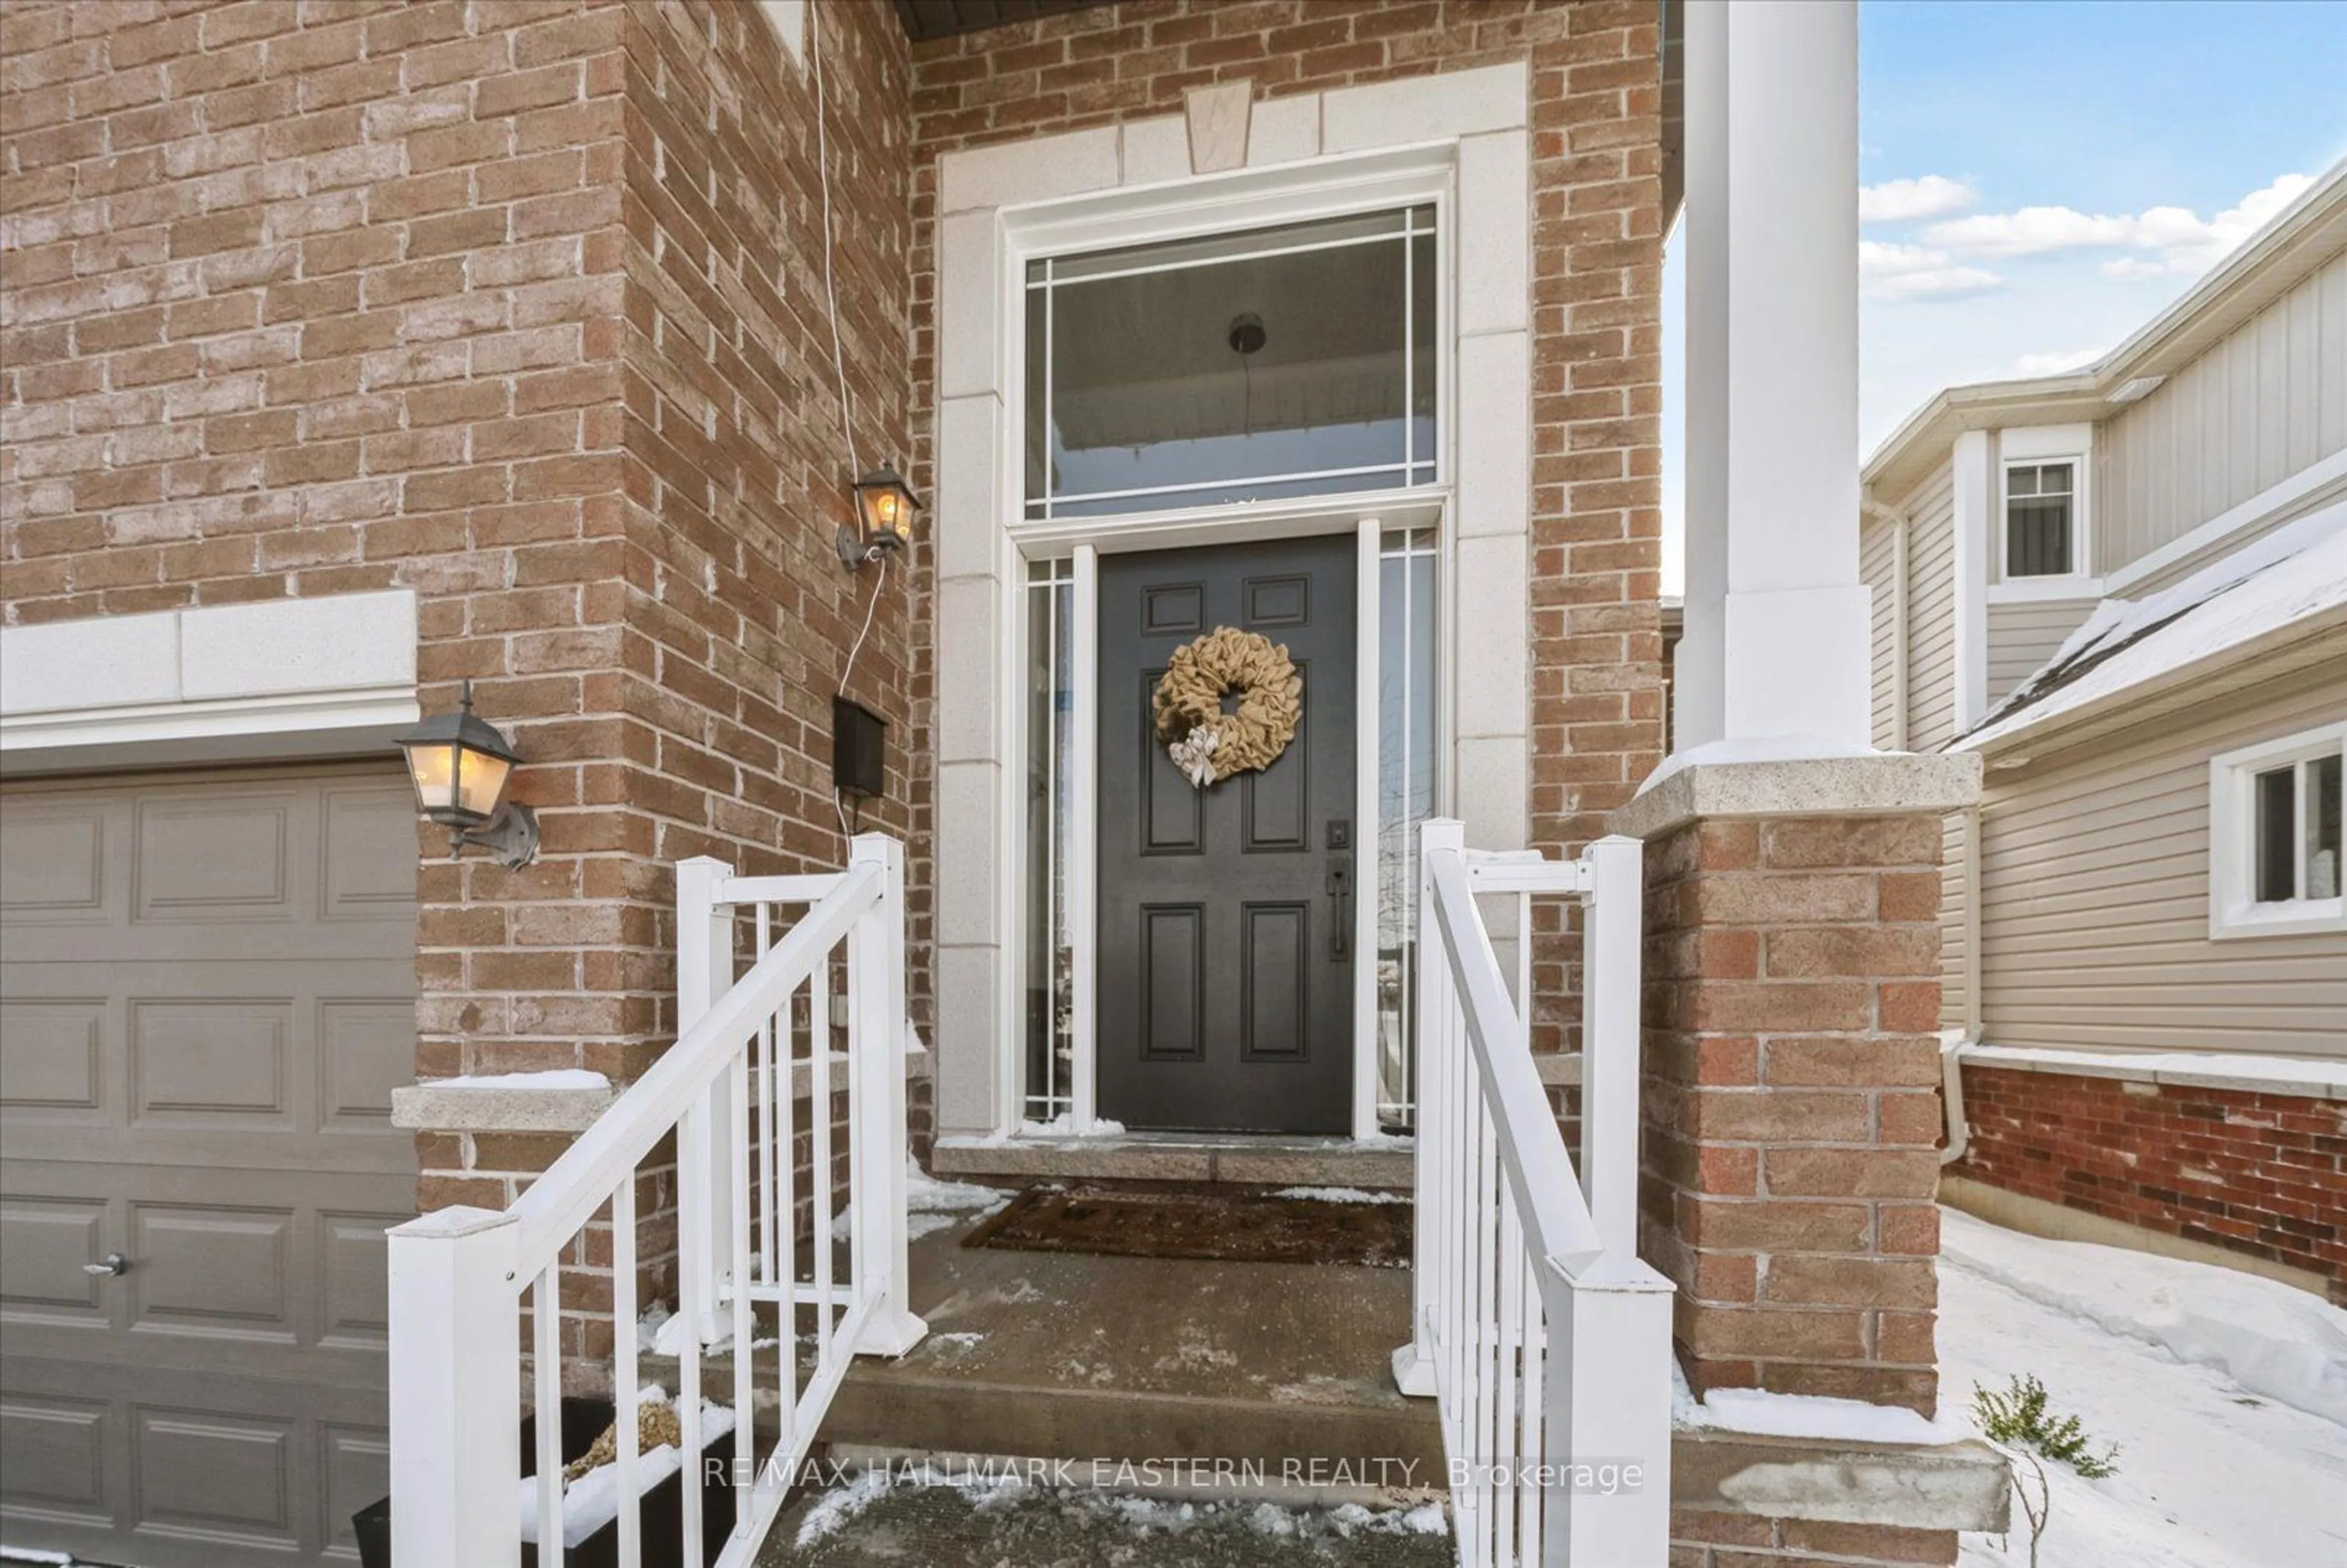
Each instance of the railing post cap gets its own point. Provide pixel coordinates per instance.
(448, 1223)
(878, 847)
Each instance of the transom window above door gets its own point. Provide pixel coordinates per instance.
(1274, 363)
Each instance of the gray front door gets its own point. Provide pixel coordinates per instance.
(1225, 983)
(207, 994)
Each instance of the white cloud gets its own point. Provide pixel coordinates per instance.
(1887, 272)
(2174, 241)
(2056, 364)
(1904, 200)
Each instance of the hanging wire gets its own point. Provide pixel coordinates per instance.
(839, 365)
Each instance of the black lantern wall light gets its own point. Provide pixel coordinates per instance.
(885, 506)
(460, 765)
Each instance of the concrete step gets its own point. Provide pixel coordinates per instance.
(1258, 1159)
(1282, 1368)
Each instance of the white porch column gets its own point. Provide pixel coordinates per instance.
(1778, 631)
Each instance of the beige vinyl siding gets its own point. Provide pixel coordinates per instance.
(2022, 636)
(2095, 902)
(1932, 611)
(2264, 402)
(1877, 559)
(1955, 1000)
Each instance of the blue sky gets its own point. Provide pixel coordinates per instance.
(2044, 178)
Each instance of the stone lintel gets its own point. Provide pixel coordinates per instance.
(484, 1108)
(1881, 783)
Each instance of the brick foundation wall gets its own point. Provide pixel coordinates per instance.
(2261, 1175)
(1743, 1541)
(1791, 1001)
(1596, 158)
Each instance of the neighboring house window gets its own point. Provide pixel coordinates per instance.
(2041, 519)
(2274, 835)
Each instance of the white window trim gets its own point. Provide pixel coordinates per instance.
(2078, 582)
(2233, 913)
(1464, 134)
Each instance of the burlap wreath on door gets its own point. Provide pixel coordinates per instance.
(1208, 743)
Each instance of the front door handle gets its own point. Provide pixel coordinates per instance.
(1341, 900)
(113, 1262)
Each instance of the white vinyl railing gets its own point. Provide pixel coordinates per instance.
(1543, 1338)
(726, 1092)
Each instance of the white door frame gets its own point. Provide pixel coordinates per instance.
(1367, 517)
(1459, 141)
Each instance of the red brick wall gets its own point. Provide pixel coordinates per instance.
(313, 298)
(516, 304)
(1742, 1541)
(1595, 632)
(2261, 1174)
(1791, 1004)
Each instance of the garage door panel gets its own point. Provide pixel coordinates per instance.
(227, 1478)
(354, 1292)
(361, 1042)
(330, 1445)
(53, 863)
(218, 858)
(208, 1061)
(46, 1240)
(210, 990)
(305, 1258)
(369, 853)
(345, 1151)
(213, 1270)
(51, 1062)
(354, 1467)
(53, 1456)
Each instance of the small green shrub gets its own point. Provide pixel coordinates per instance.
(2019, 1416)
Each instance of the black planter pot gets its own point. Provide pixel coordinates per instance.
(583, 1421)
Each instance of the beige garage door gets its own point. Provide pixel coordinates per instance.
(207, 993)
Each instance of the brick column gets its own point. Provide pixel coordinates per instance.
(1792, 1004)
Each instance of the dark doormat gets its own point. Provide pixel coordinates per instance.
(1224, 1224)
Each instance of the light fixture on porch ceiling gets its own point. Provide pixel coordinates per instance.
(885, 506)
(460, 765)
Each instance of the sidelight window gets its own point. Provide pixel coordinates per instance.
(1049, 970)
(1406, 717)
(1279, 363)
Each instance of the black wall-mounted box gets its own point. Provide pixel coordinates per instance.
(859, 749)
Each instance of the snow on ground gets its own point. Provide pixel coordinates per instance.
(552, 1078)
(593, 1501)
(1342, 1195)
(2273, 1339)
(931, 1204)
(1767, 1414)
(2211, 1474)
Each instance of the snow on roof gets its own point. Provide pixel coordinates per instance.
(2295, 572)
